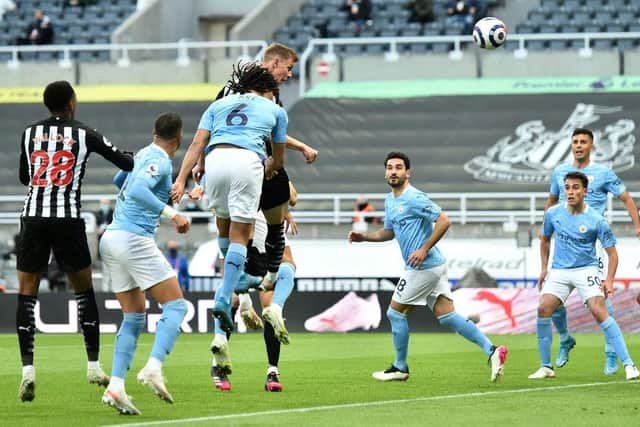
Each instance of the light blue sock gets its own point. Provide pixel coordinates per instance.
(467, 329)
(284, 283)
(126, 343)
(168, 328)
(223, 244)
(559, 318)
(233, 268)
(608, 348)
(613, 335)
(246, 282)
(216, 327)
(545, 338)
(400, 331)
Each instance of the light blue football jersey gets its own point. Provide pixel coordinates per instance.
(602, 180)
(576, 235)
(246, 120)
(144, 193)
(411, 216)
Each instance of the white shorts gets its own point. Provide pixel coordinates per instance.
(422, 287)
(132, 261)
(603, 260)
(234, 183)
(586, 280)
(260, 233)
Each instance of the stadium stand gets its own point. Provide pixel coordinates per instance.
(390, 18)
(92, 24)
(581, 16)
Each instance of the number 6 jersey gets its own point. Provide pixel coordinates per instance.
(53, 157)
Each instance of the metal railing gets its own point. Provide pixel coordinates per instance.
(337, 208)
(181, 48)
(456, 53)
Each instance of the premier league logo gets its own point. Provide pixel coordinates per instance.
(530, 155)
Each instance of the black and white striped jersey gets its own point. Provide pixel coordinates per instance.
(53, 157)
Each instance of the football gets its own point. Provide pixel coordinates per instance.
(489, 33)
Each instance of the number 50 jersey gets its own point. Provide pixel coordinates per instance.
(53, 157)
(245, 120)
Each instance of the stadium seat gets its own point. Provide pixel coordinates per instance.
(572, 4)
(418, 48)
(615, 27)
(441, 47)
(551, 3)
(603, 44)
(375, 49)
(558, 44)
(536, 44)
(627, 44)
(525, 28)
(593, 27)
(549, 27)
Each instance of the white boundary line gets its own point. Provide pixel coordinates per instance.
(365, 404)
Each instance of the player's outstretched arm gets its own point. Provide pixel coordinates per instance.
(310, 154)
(382, 235)
(632, 208)
(195, 150)
(102, 146)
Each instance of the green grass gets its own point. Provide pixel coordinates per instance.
(324, 370)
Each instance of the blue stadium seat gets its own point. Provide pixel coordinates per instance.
(353, 49)
(408, 32)
(536, 44)
(570, 28)
(433, 29)
(626, 17)
(615, 27)
(581, 16)
(572, 4)
(558, 44)
(441, 47)
(375, 49)
(603, 44)
(593, 27)
(596, 4)
(627, 44)
(525, 28)
(46, 56)
(549, 27)
(418, 48)
(551, 3)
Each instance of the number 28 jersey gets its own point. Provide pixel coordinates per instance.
(245, 120)
(53, 157)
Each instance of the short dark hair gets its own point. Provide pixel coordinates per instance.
(58, 95)
(398, 155)
(582, 131)
(168, 126)
(578, 175)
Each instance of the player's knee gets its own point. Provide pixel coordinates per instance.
(177, 306)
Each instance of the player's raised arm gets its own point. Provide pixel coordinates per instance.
(195, 150)
(106, 149)
(310, 154)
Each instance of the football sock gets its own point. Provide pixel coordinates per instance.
(89, 322)
(274, 243)
(467, 329)
(545, 338)
(126, 343)
(168, 328)
(559, 318)
(284, 283)
(26, 327)
(608, 348)
(233, 267)
(217, 329)
(400, 332)
(272, 344)
(223, 244)
(614, 337)
(245, 302)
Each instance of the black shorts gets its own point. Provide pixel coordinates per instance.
(275, 191)
(39, 236)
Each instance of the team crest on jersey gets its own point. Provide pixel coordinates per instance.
(530, 155)
(582, 228)
(152, 170)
